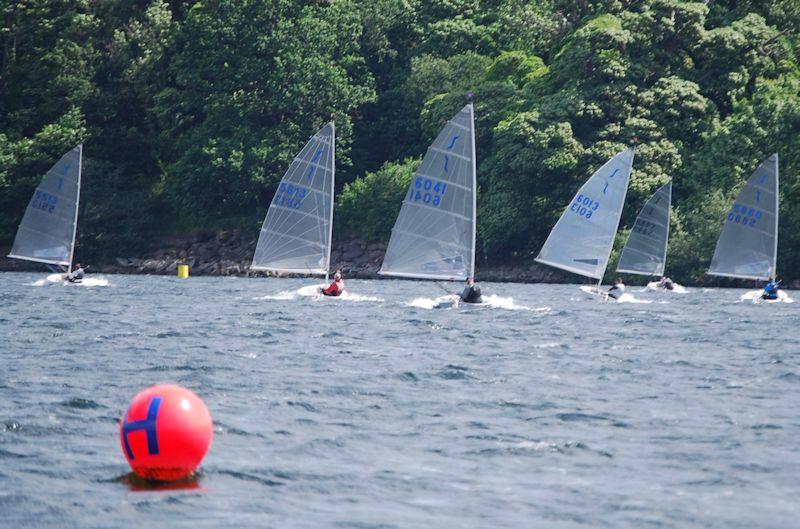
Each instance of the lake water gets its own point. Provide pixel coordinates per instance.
(556, 411)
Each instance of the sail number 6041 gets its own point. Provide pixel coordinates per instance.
(427, 191)
(584, 206)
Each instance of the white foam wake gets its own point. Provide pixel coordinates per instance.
(624, 298)
(314, 292)
(676, 288)
(491, 301)
(58, 279)
(507, 303)
(447, 301)
(629, 298)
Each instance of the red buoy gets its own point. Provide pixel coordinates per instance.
(165, 433)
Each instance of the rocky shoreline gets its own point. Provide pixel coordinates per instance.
(229, 253)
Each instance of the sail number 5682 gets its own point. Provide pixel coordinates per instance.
(290, 195)
(584, 206)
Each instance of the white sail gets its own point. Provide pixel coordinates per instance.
(748, 245)
(296, 234)
(645, 253)
(582, 239)
(434, 235)
(47, 231)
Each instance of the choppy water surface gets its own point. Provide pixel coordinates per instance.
(378, 412)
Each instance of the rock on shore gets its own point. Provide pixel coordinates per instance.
(230, 252)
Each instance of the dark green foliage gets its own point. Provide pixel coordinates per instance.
(368, 207)
(190, 112)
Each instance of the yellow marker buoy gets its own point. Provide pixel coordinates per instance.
(183, 271)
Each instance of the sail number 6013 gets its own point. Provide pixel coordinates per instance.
(584, 206)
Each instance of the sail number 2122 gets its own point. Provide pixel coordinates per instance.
(44, 201)
(584, 206)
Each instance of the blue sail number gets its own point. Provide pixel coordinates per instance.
(584, 206)
(44, 201)
(741, 214)
(427, 191)
(290, 195)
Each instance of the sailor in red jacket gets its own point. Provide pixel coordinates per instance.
(337, 287)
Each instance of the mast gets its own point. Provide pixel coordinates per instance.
(77, 206)
(669, 218)
(470, 96)
(333, 189)
(777, 211)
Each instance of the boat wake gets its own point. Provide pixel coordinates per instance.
(451, 301)
(507, 303)
(442, 302)
(313, 292)
(676, 288)
(58, 279)
(624, 298)
(629, 298)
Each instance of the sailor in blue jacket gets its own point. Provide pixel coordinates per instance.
(771, 289)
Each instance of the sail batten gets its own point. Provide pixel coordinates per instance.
(434, 235)
(748, 244)
(645, 253)
(296, 234)
(582, 239)
(47, 231)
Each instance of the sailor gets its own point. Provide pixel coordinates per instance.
(76, 276)
(771, 289)
(617, 290)
(666, 283)
(471, 292)
(337, 287)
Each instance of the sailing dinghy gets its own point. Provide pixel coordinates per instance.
(748, 245)
(296, 234)
(583, 237)
(434, 235)
(48, 228)
(645, 252)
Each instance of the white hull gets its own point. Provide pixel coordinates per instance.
(603, 295)
(61, 279)
(676, 288)
(755, 297)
